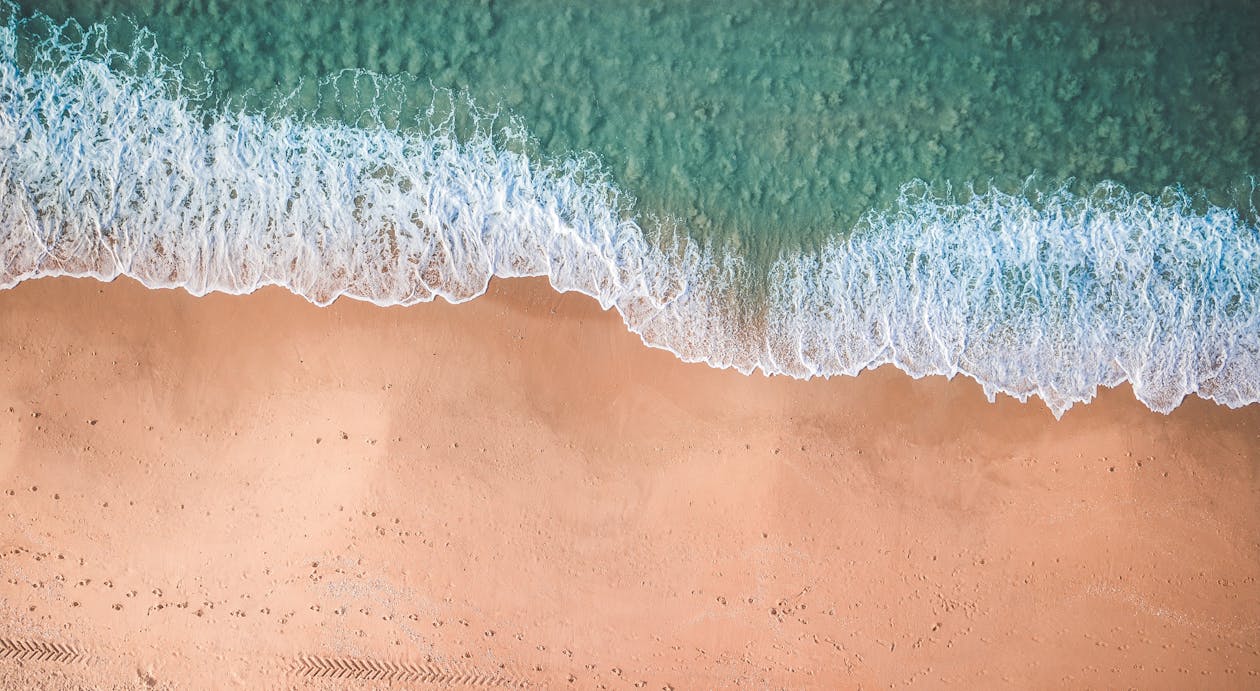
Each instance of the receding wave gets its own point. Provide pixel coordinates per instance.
(110, 170)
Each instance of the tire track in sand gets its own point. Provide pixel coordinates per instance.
(369, 669)
(41, 651)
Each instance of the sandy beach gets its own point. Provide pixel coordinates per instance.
(254, 492)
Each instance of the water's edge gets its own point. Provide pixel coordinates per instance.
(1051, 295)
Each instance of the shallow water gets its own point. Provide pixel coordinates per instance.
(782, 121)
(773, 156)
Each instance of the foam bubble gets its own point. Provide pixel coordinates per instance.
(108, 171)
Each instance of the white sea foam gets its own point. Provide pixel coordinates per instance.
(107, 172)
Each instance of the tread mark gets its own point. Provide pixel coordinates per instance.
(19, 649)
(367, 669)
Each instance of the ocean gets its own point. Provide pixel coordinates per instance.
(1046, 197)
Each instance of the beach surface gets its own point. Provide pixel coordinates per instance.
(254, 492)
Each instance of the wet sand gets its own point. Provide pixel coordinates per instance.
(253, 492)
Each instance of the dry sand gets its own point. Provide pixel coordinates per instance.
(247, 492)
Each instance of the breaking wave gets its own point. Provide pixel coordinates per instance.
(108, 168)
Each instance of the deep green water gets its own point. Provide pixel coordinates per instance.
(780, 122)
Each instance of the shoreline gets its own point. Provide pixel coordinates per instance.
(516, 486)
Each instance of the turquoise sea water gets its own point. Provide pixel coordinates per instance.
(1047, 197)
(784, 122)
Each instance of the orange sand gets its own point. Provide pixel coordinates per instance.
(247, 492)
